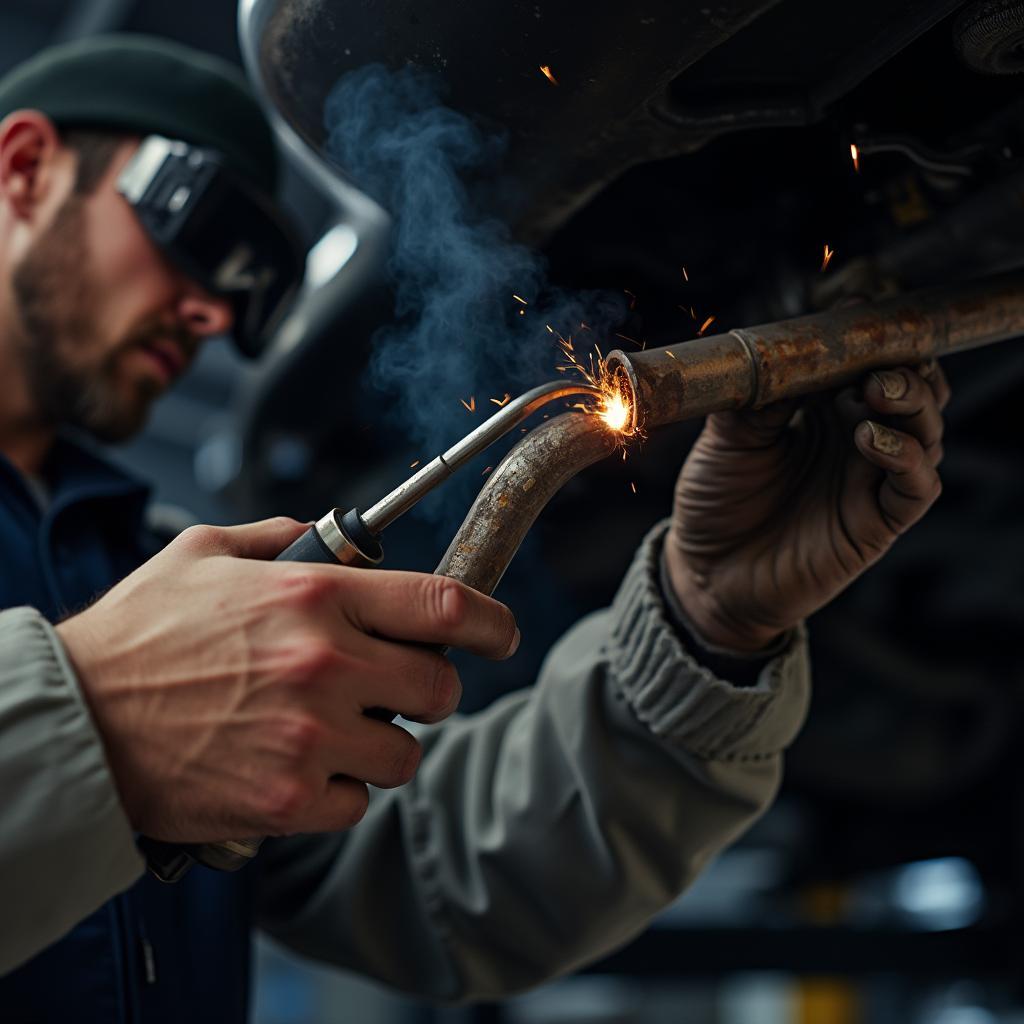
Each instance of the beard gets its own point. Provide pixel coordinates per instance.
(72, 374)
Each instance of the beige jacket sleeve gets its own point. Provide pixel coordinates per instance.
(65, 844)
(551, 827)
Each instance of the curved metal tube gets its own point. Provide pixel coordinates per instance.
(516, 493)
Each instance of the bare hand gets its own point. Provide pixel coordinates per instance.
(230, 692)
(776, 513)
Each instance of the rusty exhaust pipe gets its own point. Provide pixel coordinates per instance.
(754, 366)
(748, 367)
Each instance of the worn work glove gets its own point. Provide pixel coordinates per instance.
(777, 510)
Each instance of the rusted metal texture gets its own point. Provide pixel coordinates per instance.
(516, 493)
(758, 365)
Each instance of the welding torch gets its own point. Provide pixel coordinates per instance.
(352, 538)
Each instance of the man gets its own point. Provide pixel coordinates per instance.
(214, 693)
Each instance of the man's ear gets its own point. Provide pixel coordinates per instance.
(29, 150)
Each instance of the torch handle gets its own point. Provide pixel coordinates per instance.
(333, 540)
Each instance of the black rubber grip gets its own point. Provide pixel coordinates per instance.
(167, 861)
(310, 547)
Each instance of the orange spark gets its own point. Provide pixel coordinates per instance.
(704, 326)
(413, 465)
(856, 156)
(470, 405)
(499, 402)
(546, 72)
(829, 253)
(670, 355)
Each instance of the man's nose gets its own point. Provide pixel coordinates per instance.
(204, 314)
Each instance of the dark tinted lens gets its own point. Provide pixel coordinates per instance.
(238, 249)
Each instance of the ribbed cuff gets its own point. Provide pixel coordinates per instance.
(684, 701)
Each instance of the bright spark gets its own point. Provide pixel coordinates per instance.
(829, 253)
(518, 299)
(856, 156)
(499, 402)
(413, 465)
(686, 276)
(470, 405)
(704, 326)
(633, 486)
(547, 73)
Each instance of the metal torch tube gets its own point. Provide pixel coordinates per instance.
(753, 366)
(403, 497)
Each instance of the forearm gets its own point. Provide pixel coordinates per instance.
(550, 828)
(65, 843)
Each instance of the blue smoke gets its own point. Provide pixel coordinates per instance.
(459, 332)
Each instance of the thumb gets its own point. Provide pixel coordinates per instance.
(265, 539)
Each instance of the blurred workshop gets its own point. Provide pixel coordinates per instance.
(661, 174)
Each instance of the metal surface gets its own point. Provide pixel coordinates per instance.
(757, 365)
(613, 65)
(516, 493)
(344, 547)
(403, 497)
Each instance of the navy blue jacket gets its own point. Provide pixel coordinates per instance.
(156, 954)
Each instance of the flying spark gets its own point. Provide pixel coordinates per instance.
(413, 465)
(670, 355)
(704, 326)
(633, 486)
(856, 156)
(518, 299)
(470, 405)
(829, 253)
(499, 402)
(487, 470)
(547, 73)
(686, 276)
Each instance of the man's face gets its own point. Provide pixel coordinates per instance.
(107, 324)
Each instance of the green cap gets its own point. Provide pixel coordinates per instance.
(148, 86)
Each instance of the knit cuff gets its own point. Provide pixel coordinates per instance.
(683, 701)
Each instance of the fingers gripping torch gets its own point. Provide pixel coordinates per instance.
(353, 538)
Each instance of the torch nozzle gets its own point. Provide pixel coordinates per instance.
(407, 494)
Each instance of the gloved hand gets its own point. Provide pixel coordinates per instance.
(230, 691)
(778, 510)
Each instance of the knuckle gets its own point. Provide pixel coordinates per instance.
(299, 737)
(406, 760)
(449, 602)
(445, 687)
(283, 802)
(355, 807)
(199, 538)
(309, 660)
(304, 590)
